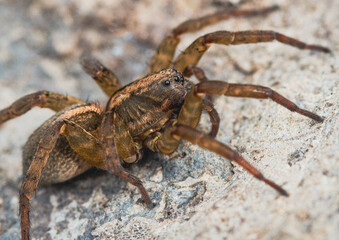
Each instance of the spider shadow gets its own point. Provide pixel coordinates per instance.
(61, 195)
(80, 188)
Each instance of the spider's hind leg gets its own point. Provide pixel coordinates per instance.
(34, 172)
(60, 158)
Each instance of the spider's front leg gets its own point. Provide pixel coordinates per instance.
(199, 74)
(165, 52)
(43, 99)
(196, 50)
(214, 116)
(104, 77)
(251, 91)
(189, 117)
(194, 136)
(118, 144)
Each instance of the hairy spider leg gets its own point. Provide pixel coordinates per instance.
(196, 71)
(110, 126)
(214, 116)
(199, 74)
(165, 51)
(207, 103)
(80, 140)
(33, 175)
(251, 91)
(190, 113)
(194, 52)
(84, 143)
(194, 136)
(104, 77)
(42, 99)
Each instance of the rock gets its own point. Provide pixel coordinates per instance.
(198, 195)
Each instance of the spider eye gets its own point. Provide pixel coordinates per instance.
(176, 79)
(167, 82)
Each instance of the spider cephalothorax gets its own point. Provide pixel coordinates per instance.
(149, 102)
(153, 112)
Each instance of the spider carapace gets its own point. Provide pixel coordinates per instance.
(153, 112)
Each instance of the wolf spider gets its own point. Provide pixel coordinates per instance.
(153, 112)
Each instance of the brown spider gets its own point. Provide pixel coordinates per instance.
(153, 112)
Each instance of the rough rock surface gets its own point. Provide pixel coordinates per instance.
(198, 195)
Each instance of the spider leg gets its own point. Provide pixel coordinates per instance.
(165, 52)
(194, 136)
(199, 74)
(196, 71)
(104, 77)
(214, 116)
(251, 91)
(78, 138)
(164, 142)
(194, 52)
(84, 143)
(30, 183)
(110, 125)
(43, 99)
(189, 116)
(168, 141)
(208, 100)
